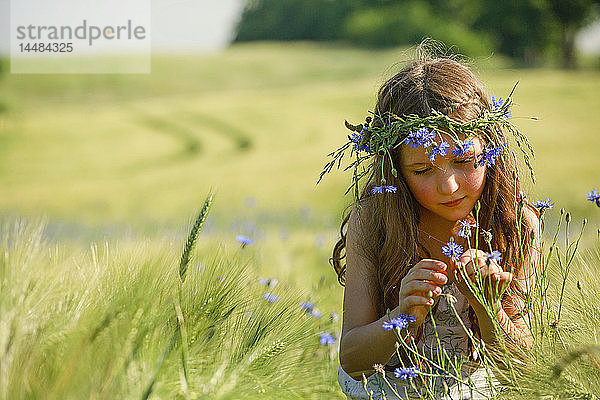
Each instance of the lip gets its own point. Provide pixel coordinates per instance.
(453, 203)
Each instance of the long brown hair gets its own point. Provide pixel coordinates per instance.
(389, 224)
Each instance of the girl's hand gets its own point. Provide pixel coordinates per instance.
(473, 269)
(424, 279)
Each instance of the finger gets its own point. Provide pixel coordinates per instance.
(419, 286)
(470, 254)
(416, 300)
(428, 263)
(426, 275)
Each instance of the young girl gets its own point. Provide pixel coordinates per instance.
(438, 157)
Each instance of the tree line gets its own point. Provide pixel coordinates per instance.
(531, 31)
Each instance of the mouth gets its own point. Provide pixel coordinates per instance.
(453, 203)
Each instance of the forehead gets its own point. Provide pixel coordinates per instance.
(410, 155)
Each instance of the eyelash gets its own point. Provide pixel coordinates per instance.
(459, 161)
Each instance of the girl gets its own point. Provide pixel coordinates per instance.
(438, 160)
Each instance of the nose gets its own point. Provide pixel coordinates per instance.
(448, 182)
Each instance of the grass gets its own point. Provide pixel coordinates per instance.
(120, 161)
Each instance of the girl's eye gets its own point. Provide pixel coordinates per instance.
(421, 171)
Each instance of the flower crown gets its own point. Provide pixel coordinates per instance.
(370, 140)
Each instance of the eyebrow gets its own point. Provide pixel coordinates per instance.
(417, 164)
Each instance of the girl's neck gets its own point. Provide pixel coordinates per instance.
(437, 227)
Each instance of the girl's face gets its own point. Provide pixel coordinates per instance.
(449, 186)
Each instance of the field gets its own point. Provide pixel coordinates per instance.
(117, 166)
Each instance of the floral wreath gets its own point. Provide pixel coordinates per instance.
(369, 141)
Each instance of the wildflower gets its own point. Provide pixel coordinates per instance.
(497, 104)
(494, 255)
(314, 313)
(305, 305)
(270, 282)
(543, 205)
(244, 240)
(465, 229)
(452, 249)
(593, 195)
(487, 236)
(326, 339)
(399, 322)
(423, 137)
(461, 150)
(441, 150)
(521, 198)
(489, 155)
(271, 298)
(379, 368)
(384, 189)
(405, 373)
(357, 139)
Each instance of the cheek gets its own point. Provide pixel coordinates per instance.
(421, 188)
(475, 180)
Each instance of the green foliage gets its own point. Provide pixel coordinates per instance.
(291, 20)
(408, 23)
(527, 30)
(109, 323)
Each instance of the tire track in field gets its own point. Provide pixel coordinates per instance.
(190, 143)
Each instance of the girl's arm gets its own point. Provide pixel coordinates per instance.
(364, 342)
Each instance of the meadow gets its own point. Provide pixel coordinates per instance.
(103, 175)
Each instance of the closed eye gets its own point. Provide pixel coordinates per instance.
(421, 171)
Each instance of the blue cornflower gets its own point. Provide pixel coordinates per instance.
(306, 305)
(497, 103)
(314, 313)
(494, 255)
(357, 139)
(543, 205)
(488, 156)
(244, 240)
(462, 149)
(521, 197)
(423, 137)
(271, 298)
(326, 339)
(441, 150)
(405, 373)
(399, 322)
(452, 249)
(465, 229)
(384, 189)
(593, 195)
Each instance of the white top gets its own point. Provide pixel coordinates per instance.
(452, 339)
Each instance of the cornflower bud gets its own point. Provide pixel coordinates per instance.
(562, 211)
(584, 221)
(394, 172)
(579, 285)
(568, 217)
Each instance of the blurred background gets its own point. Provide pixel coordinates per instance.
(246, 99)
